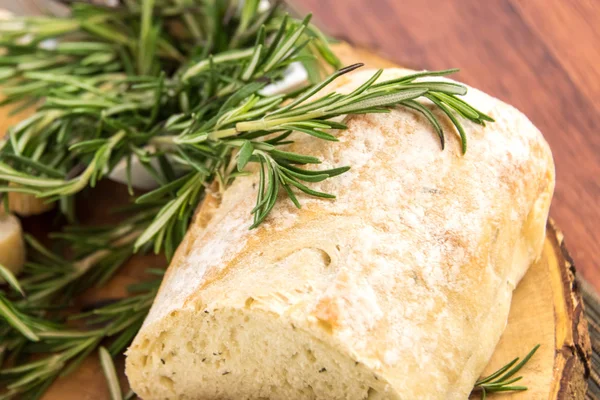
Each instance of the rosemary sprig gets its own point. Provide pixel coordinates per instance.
(502, 380)
(66, 348)
(48, 276)
(32, 328)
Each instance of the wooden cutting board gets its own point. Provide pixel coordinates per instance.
(546, 308)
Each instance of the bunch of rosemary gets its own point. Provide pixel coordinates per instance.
(176, 87)
(43, 336)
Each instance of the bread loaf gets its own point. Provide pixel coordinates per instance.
(399, 289)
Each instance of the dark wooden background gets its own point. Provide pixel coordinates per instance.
(542, 56)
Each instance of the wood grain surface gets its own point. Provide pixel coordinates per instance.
(541, 56)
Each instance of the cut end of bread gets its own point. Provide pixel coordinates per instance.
(243, 354)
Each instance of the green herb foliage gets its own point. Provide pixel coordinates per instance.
(503, 379)
(37, 314)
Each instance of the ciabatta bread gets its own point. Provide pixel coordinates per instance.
(399, 289)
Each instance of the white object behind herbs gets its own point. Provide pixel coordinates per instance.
(294, 77)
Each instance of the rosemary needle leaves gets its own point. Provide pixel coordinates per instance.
(502, 380)
(108, 367)
(33, 327)
(62, 349)
(112, 379)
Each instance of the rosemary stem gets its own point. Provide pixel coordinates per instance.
(205, 64)
(270, 124)
(84, 265)
(163, 141)
(223, 133)
(191, 23)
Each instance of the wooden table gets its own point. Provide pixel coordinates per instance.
(541, 56)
